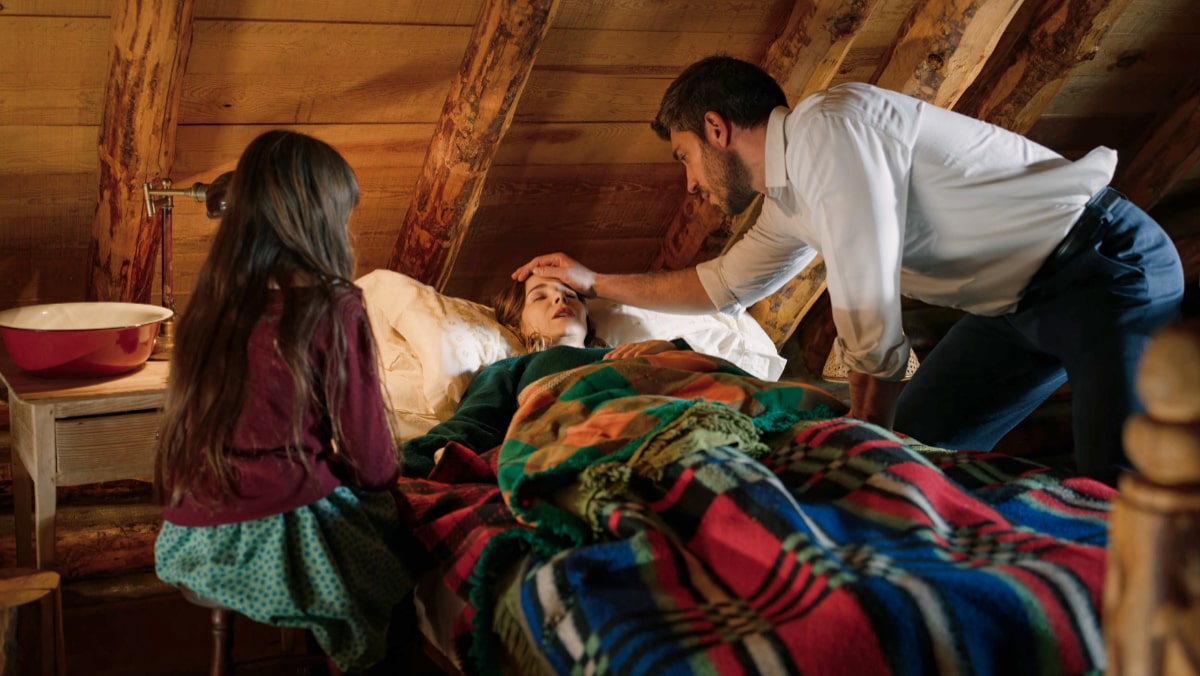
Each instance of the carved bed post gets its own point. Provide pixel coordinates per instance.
(1152, 588)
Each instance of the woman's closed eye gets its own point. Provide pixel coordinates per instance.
(539, 297)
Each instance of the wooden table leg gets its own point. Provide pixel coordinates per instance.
(34, 466)
(45, 507)
(22, 511)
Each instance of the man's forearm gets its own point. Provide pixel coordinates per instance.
(677, 291)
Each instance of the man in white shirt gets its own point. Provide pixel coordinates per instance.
(1060, 275)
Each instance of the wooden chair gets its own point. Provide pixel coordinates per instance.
(20, 586)
(222, 634)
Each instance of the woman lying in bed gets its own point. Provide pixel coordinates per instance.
(675, 515)
(553, 325)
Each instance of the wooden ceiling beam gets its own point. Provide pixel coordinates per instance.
(151, 41)
(1014, 91)
(942, 46)
(478, 111)
(690, 236)
(1166, 153)
(808, 53)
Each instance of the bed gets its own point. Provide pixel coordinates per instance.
(671, 514)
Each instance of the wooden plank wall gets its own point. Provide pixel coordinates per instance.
(369, 78)
(579, 169)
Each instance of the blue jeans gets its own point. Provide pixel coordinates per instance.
(1086, 319)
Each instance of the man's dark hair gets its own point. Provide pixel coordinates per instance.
(741, 92)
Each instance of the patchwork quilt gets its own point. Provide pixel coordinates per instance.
(671, 515)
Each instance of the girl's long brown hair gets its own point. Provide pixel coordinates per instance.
(289, 203)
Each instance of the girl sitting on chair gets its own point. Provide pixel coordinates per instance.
(276, 449)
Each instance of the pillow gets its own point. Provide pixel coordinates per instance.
(736, 338)
(431, 346)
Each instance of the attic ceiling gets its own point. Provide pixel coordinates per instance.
(487, 131)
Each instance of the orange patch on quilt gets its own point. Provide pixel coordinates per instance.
(685, 360)
(536, 398)
(606, 425)
(711, 389)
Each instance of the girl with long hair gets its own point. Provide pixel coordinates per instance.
(277, 449)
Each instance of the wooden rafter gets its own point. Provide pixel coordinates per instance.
(1014, 91)
(942, 46)
(694, 223)
(151, 41)
(478, 111)
(1167, 152)
(810, 50)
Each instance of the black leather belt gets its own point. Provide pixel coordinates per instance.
(1083, 234)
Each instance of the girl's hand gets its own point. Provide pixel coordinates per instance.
(638, 349)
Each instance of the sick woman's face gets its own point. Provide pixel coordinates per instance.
(553, 311)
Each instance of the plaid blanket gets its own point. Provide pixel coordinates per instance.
(668, 533)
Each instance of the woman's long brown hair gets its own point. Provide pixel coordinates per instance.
(509, 303)
(289, 203)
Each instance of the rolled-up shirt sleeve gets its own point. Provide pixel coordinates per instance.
(758, 265)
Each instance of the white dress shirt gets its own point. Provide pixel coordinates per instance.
(901, 198)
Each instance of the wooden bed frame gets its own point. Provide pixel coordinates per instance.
(1152, 584)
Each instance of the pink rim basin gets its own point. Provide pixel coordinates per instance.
(81, 340)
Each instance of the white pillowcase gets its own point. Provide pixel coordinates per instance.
(432, 345)
(736, 338)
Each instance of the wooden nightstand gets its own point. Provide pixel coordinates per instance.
(72, 432)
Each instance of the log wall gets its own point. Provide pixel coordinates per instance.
(578, 169)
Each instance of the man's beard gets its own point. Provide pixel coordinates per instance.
(729, 179)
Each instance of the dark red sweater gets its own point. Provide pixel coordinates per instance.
(267, 480)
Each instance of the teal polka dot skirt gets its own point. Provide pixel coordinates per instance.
(328, 567)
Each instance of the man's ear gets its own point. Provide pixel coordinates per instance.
(717, 129)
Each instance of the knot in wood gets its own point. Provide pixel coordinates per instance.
(845, 25)
(1129, 59)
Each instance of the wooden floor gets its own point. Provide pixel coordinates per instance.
(157, 632)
